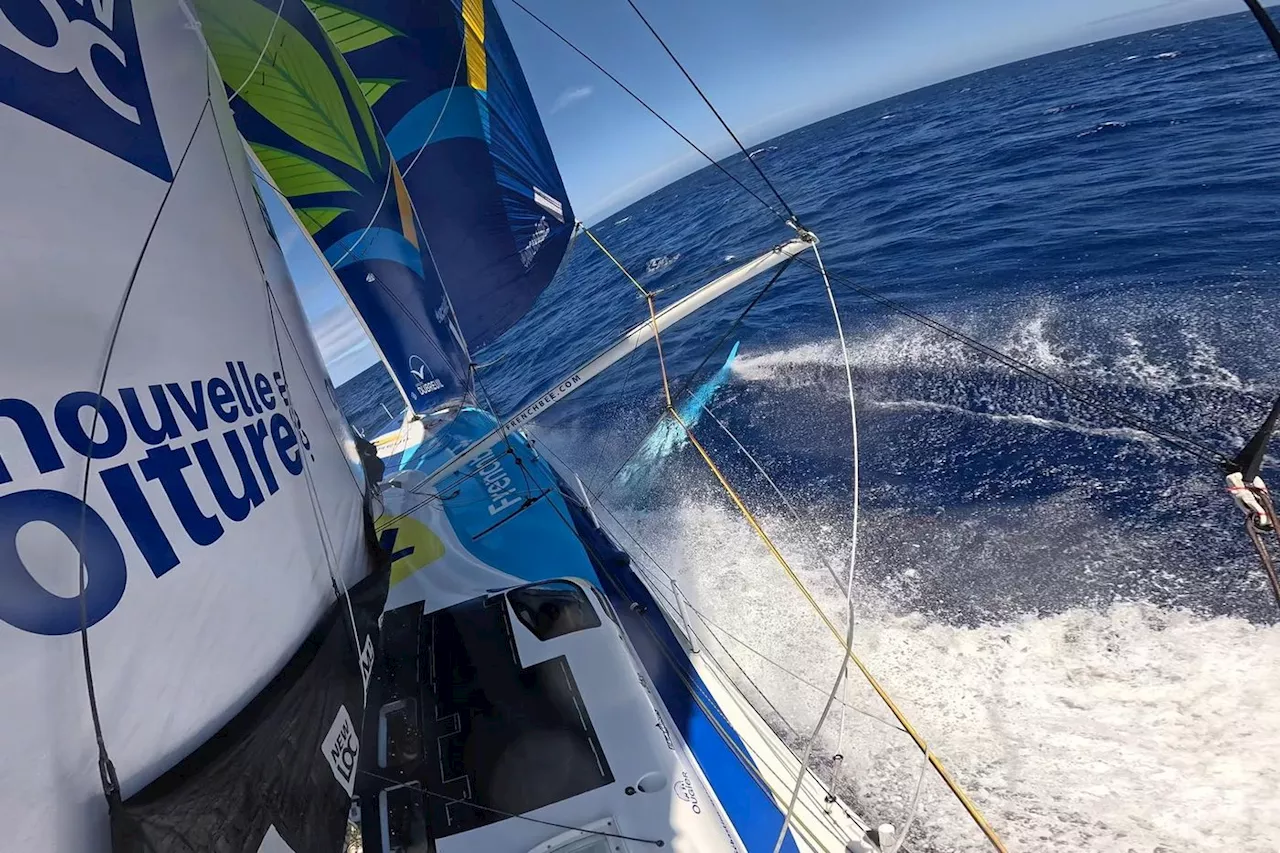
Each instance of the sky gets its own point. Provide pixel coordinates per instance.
(768, 66)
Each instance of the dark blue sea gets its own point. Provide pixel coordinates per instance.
(1067, 607)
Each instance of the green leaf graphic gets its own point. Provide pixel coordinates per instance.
(292, 86)
(315, 218)
(375, 89)
(362, 106)
(350, 30)
(296, 175)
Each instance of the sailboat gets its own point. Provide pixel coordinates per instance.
(223, 627)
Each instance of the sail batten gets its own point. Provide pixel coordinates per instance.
(445, 85)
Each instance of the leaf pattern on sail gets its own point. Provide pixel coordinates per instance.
(315, 218)
(291, 87)
(362, 106)
(296, 175)
(375, 89)
(350, 30)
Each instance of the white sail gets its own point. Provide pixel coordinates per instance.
(222, 494)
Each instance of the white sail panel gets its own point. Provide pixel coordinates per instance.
(221, 491)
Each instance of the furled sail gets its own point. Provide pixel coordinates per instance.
(306, 118)
(445, 86)
(164, 422)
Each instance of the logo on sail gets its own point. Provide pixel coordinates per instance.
(75, 64)
(341, 748)
(535, 243)
(420, 371)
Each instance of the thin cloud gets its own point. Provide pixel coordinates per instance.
(571, 96)
(338, 334)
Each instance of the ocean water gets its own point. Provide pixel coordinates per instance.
(1068, 610)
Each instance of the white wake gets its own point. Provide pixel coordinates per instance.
(1131, 729)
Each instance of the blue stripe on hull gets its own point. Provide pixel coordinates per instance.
(752, 810)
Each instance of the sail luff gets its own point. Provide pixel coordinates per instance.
(261, 172)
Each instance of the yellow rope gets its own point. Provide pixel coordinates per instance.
(653, 314)
(616, 262)
(969, 806)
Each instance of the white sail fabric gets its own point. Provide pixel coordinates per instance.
(221, 494)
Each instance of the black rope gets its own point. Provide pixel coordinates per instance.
(1174, 439)
(1264, 21)
(453, 801)
(715, 112)
(652, 111)
(107, 770)
(1255, 526)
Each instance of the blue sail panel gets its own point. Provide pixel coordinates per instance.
(444, 83)
(306, 117)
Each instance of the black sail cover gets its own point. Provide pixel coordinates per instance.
(282, 771)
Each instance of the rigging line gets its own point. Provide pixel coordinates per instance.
(414, 783)
(1171, 437)
(506, 438)
(714, 111)
(313, 495)
(443, 109)
(706, 620)
(519, 5)
(265, 45)
(335, 578)
(673, 607)
(257, 256)
(853, 553)
(786, 502)
(688, 383)
(646, 294)
(1264, 21)
(694, 690)
(945, 775)
(426, 333)
(714, 348)
(788, 670)
(390, 168)
(915, 805)
(107, 770)
(1259, 543)
(666, 387)
(656, 589)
